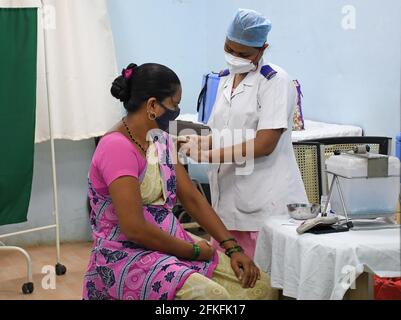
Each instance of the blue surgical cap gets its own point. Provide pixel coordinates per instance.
(249, 28)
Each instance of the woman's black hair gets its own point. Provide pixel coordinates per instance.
(137, 84)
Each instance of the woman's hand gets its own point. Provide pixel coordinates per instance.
(245, 269)
(206, 251)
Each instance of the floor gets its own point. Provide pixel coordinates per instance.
(13, 272)
(75, 256)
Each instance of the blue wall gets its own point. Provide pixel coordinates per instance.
(348, 76)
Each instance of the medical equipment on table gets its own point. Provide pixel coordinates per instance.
(313, 222)
(320, 225)
(303, 211)
(367, 184)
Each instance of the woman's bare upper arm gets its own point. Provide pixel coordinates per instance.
(127, 202)
(185, 187)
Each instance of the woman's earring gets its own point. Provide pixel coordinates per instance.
(151, 116)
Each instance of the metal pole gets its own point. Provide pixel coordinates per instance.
(349, 223)
(53, 156)
(324, 213)
(25, 254)
(27, 231)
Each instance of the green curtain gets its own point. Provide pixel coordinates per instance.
(18, 56)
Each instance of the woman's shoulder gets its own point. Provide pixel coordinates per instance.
(115, 156)
(115, 144)
(113, 140)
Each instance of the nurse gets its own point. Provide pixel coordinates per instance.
(252, 121)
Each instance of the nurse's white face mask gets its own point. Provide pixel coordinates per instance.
(238, 65)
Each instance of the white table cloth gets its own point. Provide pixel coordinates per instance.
(323, 266)
(320, 130)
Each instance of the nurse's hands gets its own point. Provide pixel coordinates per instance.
(202, 142)
(245, 269)
(206, 250)
(181, 141)
(197, 147)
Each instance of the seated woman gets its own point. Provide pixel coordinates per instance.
(140, 250)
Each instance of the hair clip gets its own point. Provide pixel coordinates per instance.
(127, 73)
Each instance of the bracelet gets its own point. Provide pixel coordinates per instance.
(227, 240)
(231, 250)
(196, 251)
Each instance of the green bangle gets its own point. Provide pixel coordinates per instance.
(227, 240)
(196, 251)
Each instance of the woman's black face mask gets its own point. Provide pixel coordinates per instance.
(169, 115)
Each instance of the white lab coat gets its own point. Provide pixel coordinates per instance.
(244, 202)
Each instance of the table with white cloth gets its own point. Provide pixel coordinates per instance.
(325, 266)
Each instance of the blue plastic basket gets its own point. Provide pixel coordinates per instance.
(398, 146)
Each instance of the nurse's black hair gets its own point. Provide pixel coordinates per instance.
(137, 84)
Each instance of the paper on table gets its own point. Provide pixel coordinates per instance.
(293, 222)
